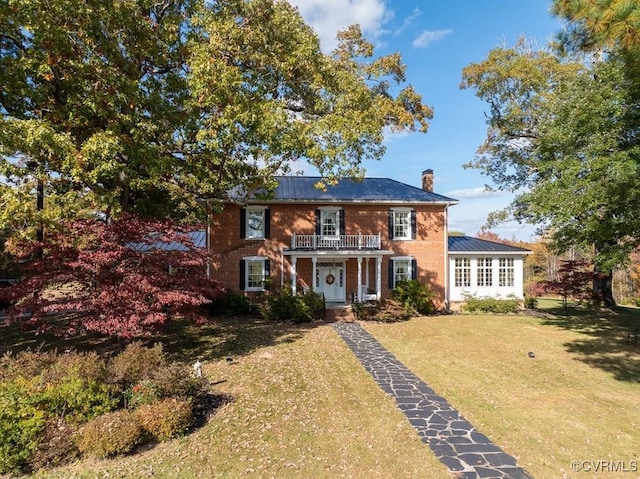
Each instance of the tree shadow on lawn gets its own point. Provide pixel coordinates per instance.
(227, 337)
(221, 337)
(606, 345)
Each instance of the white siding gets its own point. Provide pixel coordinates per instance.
(457, 293)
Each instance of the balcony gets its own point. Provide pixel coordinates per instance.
(338, 242)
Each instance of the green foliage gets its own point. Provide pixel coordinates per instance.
(21, 423)
(415, 296)
(474, 304)
(383, 311)
(231, 303)
(109, 435)
(285, 306)
(559, 128)
(145, 392)
(530, 302)
(165, 419)
(315, 302)
(181, 124)
(45, 398)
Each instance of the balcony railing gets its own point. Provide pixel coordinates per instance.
(338, 242)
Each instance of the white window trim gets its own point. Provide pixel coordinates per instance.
(401, 210)
(248, 259)
(330, 209)
(466, 267)
(409, 260)
(488, 265)
(509, 267)
(253, 208)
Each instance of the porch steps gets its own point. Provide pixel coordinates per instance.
(341, 313)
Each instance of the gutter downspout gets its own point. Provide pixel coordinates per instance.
(447, 292)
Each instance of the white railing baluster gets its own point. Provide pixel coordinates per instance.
(314, 242)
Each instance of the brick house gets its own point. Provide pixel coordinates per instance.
(353, 241)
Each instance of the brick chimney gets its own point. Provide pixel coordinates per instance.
(427, 180)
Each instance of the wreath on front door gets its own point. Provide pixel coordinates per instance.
(330, 279)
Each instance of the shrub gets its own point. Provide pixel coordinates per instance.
(385, 311)
(108, 435)
(415, 296)
(144, 392)
(491, 305)
(177, 381)
(315, 302)
(56, 446)
(530, 302)
(285, 306)
(137, 363)
(166, 418)
(25, 364)
(229, 303)
(21, 423)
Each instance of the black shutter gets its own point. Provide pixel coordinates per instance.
(243, 270)
(413, 225)
(267, 223)
(390, 274)
(243, 223)
(391, 225)
(414, 269)
(342, 230)
(318, 219)
(267, 269)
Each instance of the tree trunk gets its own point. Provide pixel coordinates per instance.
(39, 208)
(603, 288)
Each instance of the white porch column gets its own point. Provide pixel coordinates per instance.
(294, 274)
(314, 263)
(379, 276)
(359, 290)
(366, 272)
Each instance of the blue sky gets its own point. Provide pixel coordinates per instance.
(437, 39)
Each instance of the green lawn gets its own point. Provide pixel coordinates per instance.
(578, 399)
(298, 404)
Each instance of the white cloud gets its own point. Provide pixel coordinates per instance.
(408, 21)
(480, 192)
(327, 17)
(427, 36)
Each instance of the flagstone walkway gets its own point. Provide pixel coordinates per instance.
(467, 453)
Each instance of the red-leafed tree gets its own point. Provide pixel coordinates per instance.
(575, 281)
(126, 278)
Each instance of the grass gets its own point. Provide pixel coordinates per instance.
(576, 400)
(298, 404)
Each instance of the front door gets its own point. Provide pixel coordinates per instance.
(330, 280)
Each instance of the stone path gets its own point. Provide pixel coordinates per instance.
(467, 453)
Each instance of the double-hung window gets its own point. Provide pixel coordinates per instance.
(329, 223)
(254, 271)
(255, 222)
(462, 272)
(402, 269)
(402, 224)
(506, 272)
(485, 271)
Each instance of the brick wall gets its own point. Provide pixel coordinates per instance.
(429, 247)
